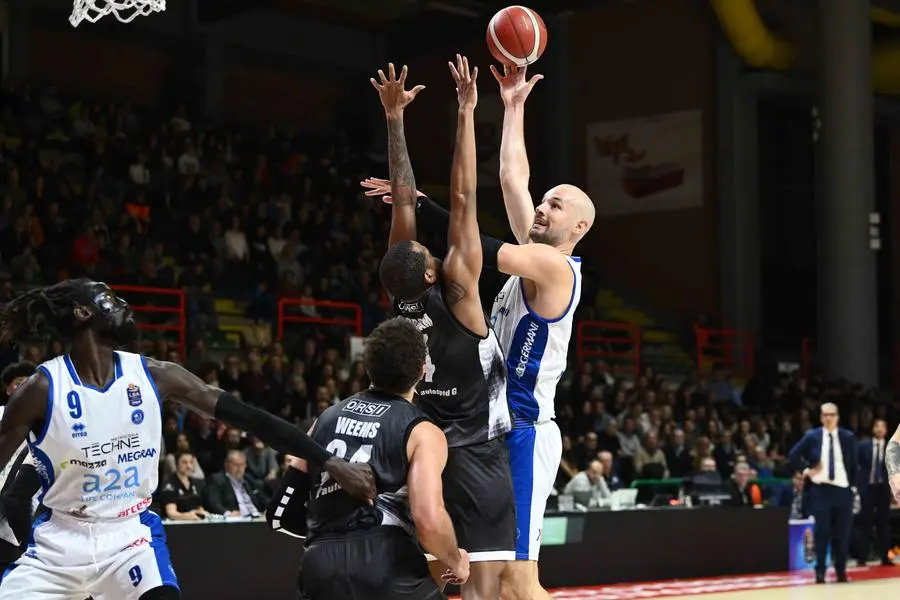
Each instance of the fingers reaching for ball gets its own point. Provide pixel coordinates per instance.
(391, 90)
(465, 79)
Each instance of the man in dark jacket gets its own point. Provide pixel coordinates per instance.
(234, 494)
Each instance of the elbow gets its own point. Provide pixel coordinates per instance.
(427, 519)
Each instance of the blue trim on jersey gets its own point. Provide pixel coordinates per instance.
(117, 373)
(49, 413)
(8, 571)
(160, 549)
(44, 467)
(568, 308)
(523, 363)
(151, 380)
(31, 546)
(520, 444)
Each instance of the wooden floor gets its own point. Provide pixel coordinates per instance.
(866, 583)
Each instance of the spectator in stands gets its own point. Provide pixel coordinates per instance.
(182, 448)
(567, 464)
(678, 455)
(181, 494)
(649, 460)
(743, 491)
(590, 481)
(262, 461)
(233, 493)
(609, 471)
(588, 451)
(725, 453)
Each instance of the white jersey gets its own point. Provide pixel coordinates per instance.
(98, 453)
(536, 349)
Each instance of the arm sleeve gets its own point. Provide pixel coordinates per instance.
(275, 432)
(436, 220)
(17, 500)
(287, 510)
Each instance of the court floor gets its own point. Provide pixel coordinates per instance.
(866, 583)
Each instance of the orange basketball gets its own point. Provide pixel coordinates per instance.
(517, 36)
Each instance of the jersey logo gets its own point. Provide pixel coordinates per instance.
(134, 395)
(78, 430)
(410, 307)
(366, 409)
(525, 356)
(137, 417)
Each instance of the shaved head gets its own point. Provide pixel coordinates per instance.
(564, 216)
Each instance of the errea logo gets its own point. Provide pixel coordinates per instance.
(366, 409)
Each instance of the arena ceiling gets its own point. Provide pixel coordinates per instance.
(384, 13)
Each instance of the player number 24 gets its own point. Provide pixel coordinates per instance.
(339, 449)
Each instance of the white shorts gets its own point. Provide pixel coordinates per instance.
(69, 559)
(534, 455)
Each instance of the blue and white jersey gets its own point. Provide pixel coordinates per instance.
(98, 453)
(536, 349)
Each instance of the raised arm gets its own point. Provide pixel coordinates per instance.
(462, 265)
(395, 98)
(177, 382)
(514, 169)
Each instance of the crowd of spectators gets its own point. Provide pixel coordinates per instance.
(109, 192)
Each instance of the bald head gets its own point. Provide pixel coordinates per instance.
(564, 216)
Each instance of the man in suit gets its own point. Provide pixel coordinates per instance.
(875, 494)
(232, 493)
(829, 457)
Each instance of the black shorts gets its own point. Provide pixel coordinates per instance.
(383, 563)
(478, 493)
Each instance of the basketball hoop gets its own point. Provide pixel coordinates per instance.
(124, 10)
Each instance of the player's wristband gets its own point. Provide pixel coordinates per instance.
(275, 432)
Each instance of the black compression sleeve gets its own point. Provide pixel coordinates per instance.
(287, 511)
(275, 432)
(17, 500)
(437, 221)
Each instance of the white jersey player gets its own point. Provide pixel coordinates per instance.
(532, 317)
(93, 422)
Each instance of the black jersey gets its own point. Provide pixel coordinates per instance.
(371, 427)
(464, 388)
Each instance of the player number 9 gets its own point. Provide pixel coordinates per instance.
(74, 402)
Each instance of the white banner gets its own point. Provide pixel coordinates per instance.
(647, 164)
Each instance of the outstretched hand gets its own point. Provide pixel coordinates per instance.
(466, 86)
(391, 90)
(376, 186)
(514, 85)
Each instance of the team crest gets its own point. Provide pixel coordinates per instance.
(137, 417)
(134, 395)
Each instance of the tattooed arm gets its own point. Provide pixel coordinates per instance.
(462, 265)
(892, 463)
(395, 99)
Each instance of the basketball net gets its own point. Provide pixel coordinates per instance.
(124, 10)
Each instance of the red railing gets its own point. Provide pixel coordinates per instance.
(806, 354)
(177, 307)
(616, 343)
(355, 322)
(725, 348)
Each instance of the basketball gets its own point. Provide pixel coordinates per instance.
(517, 36)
